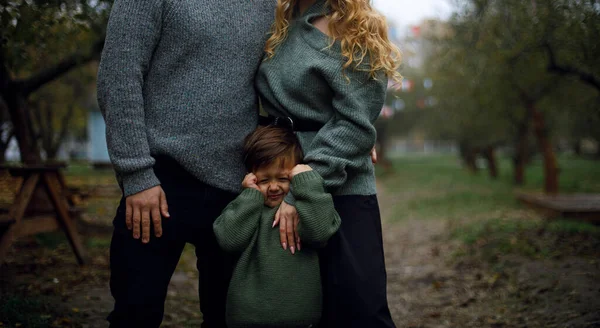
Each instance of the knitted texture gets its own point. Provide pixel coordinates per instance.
(305, 80)
(176, 79)
(271, 287)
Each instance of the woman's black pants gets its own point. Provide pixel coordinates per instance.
(353, 268)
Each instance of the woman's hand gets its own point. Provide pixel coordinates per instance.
(374, 155)
(299, 169)
(250, 181)
(287, 218)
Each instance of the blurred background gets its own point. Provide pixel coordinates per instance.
(488, 172)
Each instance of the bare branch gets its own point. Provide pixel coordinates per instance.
(35, 82)
(570, 70)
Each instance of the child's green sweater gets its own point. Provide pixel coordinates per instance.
(271, 287)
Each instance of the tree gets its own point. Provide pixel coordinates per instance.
(41, 41)
(6, 130)
(504, 55)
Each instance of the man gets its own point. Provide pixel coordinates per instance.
(175, 86)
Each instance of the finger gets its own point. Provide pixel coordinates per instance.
(129, 215)
(164, 207)
(145, 225)
(282, 233)
(276, 221)
(296, 236)
(374, 155)
(137, 218)
(157, 221)
(290, 235)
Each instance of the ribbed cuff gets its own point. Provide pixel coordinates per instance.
(139, 181)
(252, 195)
(289, 198)
(304, 177)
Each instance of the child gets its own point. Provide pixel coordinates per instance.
(271, 287)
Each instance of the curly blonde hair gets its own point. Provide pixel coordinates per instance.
(362, 32)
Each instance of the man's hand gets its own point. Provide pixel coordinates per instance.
(299, 169)
(250, 181)
(287, 218)
(143, 206)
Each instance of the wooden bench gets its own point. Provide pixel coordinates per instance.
(578, 206)
(23, 218)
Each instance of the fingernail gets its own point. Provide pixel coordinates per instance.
(273, 226)
(284, 246)
(136, 236)
(292, 249)
(168, 215)
(299, 248)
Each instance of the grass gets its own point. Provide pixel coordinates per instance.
(483, 213)
(438, 187)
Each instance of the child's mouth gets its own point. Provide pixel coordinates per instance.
(273, 197)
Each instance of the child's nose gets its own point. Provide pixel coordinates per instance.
(273, 186)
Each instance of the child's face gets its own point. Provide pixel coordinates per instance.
(273, 182)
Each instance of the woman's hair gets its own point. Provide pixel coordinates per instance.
(271, 144)
(361, 31)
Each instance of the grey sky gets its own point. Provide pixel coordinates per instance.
(409, 12)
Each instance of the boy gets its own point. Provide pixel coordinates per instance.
(271, 287)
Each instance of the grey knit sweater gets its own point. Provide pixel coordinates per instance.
(265, 272)
(305, 80)
(176, 78)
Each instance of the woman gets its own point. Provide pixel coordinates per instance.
(327, 66)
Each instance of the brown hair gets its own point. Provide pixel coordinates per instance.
(269, 144)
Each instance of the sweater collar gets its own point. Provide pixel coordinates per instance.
(312, 35)
(316, 8)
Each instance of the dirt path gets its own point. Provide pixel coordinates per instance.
(429, 287)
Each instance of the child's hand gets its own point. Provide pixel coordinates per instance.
(250, 181)
(299, 169)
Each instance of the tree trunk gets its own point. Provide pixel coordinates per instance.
(16, 92)
(577, 147)
(23, 129)
(520, 158)
(4, 145)
(490, 156)
(3, 154)
(550, 165)
(469, 156)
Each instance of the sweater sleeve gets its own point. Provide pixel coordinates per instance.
(348, 137)
(238, 222)
(133, 31)
(318, 217)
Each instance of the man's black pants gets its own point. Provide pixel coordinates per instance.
(140, 273)
(353, 268)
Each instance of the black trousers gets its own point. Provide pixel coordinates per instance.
(140, 273)
(353, 268)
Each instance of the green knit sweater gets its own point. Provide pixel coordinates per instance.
(305, 80)
(271, 287)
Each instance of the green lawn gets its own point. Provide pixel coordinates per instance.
(438, 187)
(483, 213)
